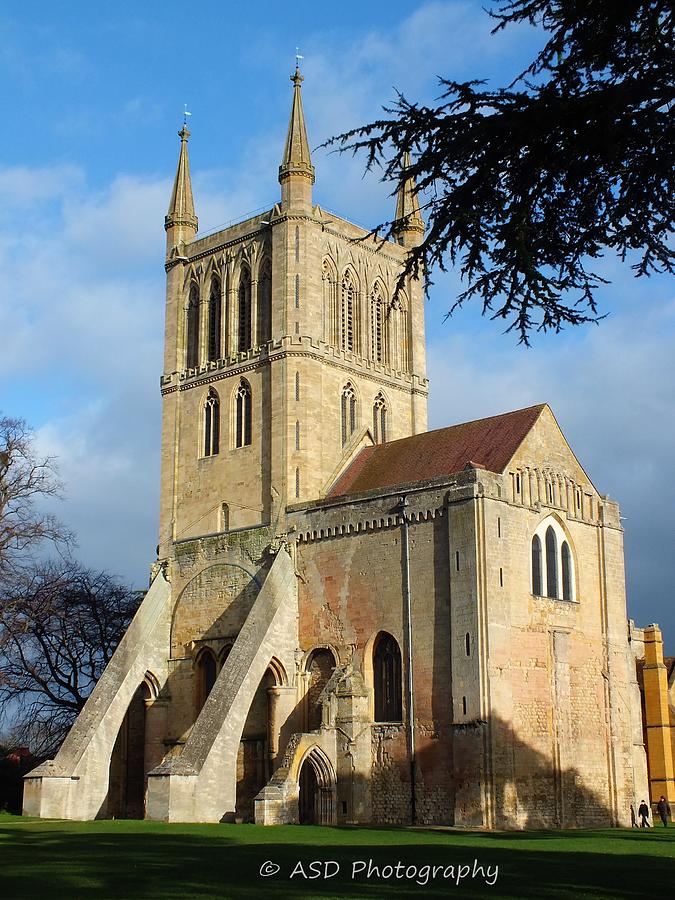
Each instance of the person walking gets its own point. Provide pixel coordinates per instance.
(643, 812)
(663, 809)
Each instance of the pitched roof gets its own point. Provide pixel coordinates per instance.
(485, 443)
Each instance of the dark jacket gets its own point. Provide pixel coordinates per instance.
(643, 810)
(663, 808)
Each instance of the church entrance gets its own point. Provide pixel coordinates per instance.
(127, 772)
(316, 783)
(309, 790)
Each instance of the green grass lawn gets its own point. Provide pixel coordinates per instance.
(125, 860)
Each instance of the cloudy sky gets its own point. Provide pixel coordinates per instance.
(93, 101)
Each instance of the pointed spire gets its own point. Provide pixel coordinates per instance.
(411, 224)
(296, 172)
(181, 214)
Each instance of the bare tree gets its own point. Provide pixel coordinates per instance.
(59, 627)
(25, 480)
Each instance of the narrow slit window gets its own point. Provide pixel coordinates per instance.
(457, 560)
(297, 387)
(297, 292)
(467, 643)
(536, 566)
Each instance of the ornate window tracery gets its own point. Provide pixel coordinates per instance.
(348, 412)
(242, 414)
(211, 424)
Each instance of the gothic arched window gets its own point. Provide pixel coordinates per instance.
(242, 413)
(205, 671)
(331, 326)
(192, 329)
(348, 412)
(244, 311)
(551, 563)
(215, 316)
(211, 424)
(377, 349)
(536, 565)
(380, 420)
(387, 679)
(348, 312)
(265, 303)
(566, 558)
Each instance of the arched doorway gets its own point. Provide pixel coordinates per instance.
(127, 773)
(309, 795)
(316, 790)
(253, 758)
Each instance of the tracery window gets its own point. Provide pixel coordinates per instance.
(553, 572)
(192, 329)
(387, 679)
(331, 324)
(242, 414)
(380, 420)
(211, 424)
(377, 324)
(347, 312)
(244, 311)
(215, 317)
(265, 303)
(348, 412)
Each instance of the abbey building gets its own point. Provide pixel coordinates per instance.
(351, 619)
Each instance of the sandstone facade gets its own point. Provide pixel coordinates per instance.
(352, 620)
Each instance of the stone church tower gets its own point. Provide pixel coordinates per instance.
(351, 619)
(272, 327)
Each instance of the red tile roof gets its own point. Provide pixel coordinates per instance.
(484, 444)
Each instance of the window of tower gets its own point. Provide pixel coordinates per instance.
(265, 303)
(297, 292)
(215, 315)
(242, 403)
(192, 329)
(348, 412)
(347, 308)
(377, 324)
(380, 420)
(211, 424)
(244, 311)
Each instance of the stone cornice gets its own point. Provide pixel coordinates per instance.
(287, 348)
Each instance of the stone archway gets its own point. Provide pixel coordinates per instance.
(316, 790)
(127, 771)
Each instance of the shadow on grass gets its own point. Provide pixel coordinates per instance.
(127, 860)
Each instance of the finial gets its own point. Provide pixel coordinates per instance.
(297, 78)
(184, 134)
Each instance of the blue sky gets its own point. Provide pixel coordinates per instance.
(93, 101)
